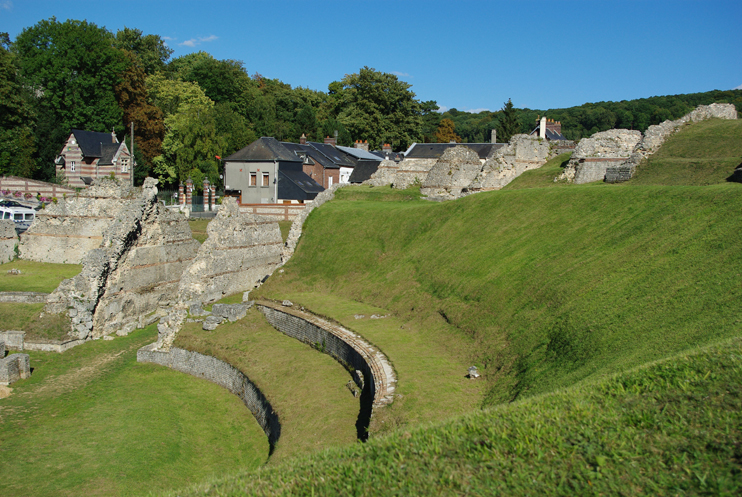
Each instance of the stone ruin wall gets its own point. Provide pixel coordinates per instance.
(452, 172)
(241, 250)
(401, 174)
(64, 232)
(8, 240)
(522, 153)
(613, 155)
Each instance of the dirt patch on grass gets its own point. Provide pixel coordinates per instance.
(5, 391)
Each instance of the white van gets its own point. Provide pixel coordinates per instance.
(21, 215)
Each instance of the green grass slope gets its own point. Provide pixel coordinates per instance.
(673, 428)
(550, 285)
(93, 421)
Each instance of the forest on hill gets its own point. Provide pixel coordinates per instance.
(188, 111)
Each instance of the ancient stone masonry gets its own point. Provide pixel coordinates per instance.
(522, 153)
(613, 155)
(135, 270)
(8, 240)
(377, 379)
(223, 374)
(452, 172)
(241, 250)
(402, 174)
(64, 232)
(14, 367)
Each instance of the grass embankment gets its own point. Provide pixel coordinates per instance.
(673, 428)
(92, 421)
(704, 153)
(550, 285)
(305, 387)
(34, 277)
(543, 176)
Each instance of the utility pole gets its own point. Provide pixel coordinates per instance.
(131, 169)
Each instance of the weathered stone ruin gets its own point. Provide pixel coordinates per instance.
(402, 174)
(14, 367)
(135, 270)
(522, 153)
(593, 155)
(241, 250)
(613, 155)
(452, 172)
(8, 240)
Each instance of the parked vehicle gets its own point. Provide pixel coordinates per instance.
(21, 215)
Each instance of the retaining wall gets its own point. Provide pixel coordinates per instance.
(223, 374)
(23, 297)
(277, 212)
(14, 367)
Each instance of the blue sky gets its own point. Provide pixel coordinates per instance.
(469, 55)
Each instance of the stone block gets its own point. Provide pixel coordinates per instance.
(14, 367)
(232, 312)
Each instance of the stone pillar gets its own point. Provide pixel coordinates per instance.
(188, 192)
(181, 196)
(212, 198)
(207, 189)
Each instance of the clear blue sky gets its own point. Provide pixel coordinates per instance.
(470, 55)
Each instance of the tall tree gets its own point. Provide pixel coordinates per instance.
(151, 51)
(380, 108)
(17, 143)
(508, 124)
(446, 132)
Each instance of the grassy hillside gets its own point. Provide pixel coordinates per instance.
(672, 428)
(550, 285)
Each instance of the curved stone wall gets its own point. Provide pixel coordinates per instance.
(223, 374)
(348, 348)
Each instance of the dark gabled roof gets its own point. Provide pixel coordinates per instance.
(395, 156)
(337, 158)
(304, 182)
(264, 149)
(358, 153)
(305, 149)
(363, 170)
(90, 142)
(108, 151)
(550, 134)
(435, 150)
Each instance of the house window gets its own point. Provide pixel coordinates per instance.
(253, 179)
(266, 179)
(72, 166)
(124, 165)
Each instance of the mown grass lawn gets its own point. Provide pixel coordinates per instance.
(35, 276)
(93, 421)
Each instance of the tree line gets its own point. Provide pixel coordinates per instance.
(187, 111)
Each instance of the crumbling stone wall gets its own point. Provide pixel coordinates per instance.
(14, 367)
(135, 269)
(223, 374)
(401, 174)
(613, 155)
(66, 231)
(522, 153)
(8, 240)
(241, 250)
(452, 172)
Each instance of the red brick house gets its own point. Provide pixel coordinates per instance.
(88, 155)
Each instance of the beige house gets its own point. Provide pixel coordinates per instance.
(89, 155)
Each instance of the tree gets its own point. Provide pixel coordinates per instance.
(508, 124)
(446, 132)
(17, 143)
(380, 108)
(431, 120)
(150, 50)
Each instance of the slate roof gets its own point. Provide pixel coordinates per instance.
(363, 170)
(108, 152)
(262, 150)
(304, 182)
(331, 153)
(358, 153)
(90, 142)
(550, 135)
(310, 151)
(435, 150)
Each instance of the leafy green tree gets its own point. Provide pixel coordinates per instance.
(306, 121)
(221, 80)
(446, 132)
(151, 51)
(328, 128)
(73, 70)
(431, 120)
(508, 124)
(233, 128)
(380, 108)
(17, 142)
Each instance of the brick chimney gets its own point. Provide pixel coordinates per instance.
(494, 136)
(113, 136)
(303, 139)
(387, 148)
(555, 126)
(362, 144)
(330, 141)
